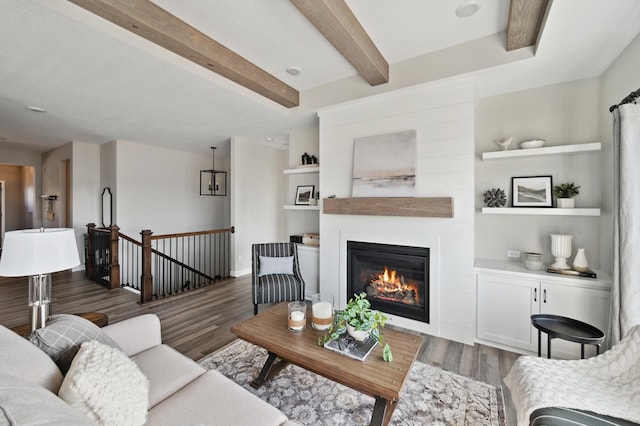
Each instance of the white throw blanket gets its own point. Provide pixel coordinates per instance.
(608, 384)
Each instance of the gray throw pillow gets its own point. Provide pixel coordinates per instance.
(275, 265)
(62, 336)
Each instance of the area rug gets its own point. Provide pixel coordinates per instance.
(431, 396)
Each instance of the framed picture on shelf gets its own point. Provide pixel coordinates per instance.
(304, 194)
(531, 191)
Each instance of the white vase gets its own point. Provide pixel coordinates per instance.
(580, 262)
(359, 335)
(565, 203)
(561, 249)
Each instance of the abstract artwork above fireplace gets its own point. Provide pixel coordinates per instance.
(395, 277)
(384, 165)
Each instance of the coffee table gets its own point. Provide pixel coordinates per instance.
(373, 376)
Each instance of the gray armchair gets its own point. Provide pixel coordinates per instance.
(275, 274)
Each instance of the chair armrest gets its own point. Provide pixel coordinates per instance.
(137, 334)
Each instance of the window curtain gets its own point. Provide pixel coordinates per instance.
(625, 293)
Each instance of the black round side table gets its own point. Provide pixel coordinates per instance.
(564, 328)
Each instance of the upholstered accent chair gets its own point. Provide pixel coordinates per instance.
(276, 273)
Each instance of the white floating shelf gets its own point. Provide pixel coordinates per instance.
(301, 170)
(294, 207)
(541, 211)
(544, 151)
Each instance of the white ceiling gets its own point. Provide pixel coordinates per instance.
(99, 82)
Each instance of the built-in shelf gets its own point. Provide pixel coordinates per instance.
(301, 170)
(544, 151)
(390, 206)
(541, 211)
(294, 207)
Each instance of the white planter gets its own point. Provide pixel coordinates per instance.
(359, 335)
(565, 203)
(561, 249)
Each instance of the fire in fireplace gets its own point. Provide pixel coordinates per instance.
(395, 278)
(390, 285)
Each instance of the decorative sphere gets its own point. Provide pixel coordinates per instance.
(495, 198)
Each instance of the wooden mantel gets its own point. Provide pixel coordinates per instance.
(390, 206)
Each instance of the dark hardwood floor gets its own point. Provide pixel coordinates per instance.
(197, 323)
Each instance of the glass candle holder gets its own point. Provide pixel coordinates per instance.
(321, 311)
(297, 318)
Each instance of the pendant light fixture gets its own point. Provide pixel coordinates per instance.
(213, 182)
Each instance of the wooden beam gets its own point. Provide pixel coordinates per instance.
(146, 19)
(525, 22)
(339, 26)
(390, 206)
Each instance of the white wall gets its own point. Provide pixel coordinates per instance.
(620, 79)
(85, 189)
(109, 177)
(443, 116)
(561, 114)
(158, 189)
(257, 197)
(53, 183)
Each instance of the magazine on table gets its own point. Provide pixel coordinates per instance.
(347, 345)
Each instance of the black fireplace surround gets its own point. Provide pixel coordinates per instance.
(406, 296)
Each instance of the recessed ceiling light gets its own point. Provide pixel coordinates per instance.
(36, 109)
(294, 70)
(467, 8)
(269, 139)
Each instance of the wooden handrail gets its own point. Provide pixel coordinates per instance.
(191, 234)
(131, 240)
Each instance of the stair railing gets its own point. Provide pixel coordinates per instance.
(160, 265)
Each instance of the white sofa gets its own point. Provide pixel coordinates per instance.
(180, 391)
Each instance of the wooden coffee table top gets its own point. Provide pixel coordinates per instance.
(373, 376)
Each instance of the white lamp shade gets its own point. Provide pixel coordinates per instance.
(33, 252)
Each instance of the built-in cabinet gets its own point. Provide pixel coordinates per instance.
(309, 261)
(508, 294)
(305, 219)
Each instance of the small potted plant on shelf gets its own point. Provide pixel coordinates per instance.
(359, 321)
(564, 195)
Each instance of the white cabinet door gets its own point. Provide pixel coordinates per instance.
(308, 259)
(584, 304)
(505, 306)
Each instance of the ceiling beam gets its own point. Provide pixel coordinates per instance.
(339, 26)
(525, 22)
(155, 24)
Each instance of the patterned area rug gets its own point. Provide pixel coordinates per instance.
(431, 396)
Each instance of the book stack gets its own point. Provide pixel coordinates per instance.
(348, 346)
(587, 273)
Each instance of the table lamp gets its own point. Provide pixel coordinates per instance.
(37, 253)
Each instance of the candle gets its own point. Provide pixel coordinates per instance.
(297, 316)
(322, 312)
(297, 320)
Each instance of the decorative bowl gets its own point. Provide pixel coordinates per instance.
(532, 261)
(535, 143)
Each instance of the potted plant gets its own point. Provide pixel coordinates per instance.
(564, 194)
(359, 321)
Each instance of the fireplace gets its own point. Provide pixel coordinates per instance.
(395, 277)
